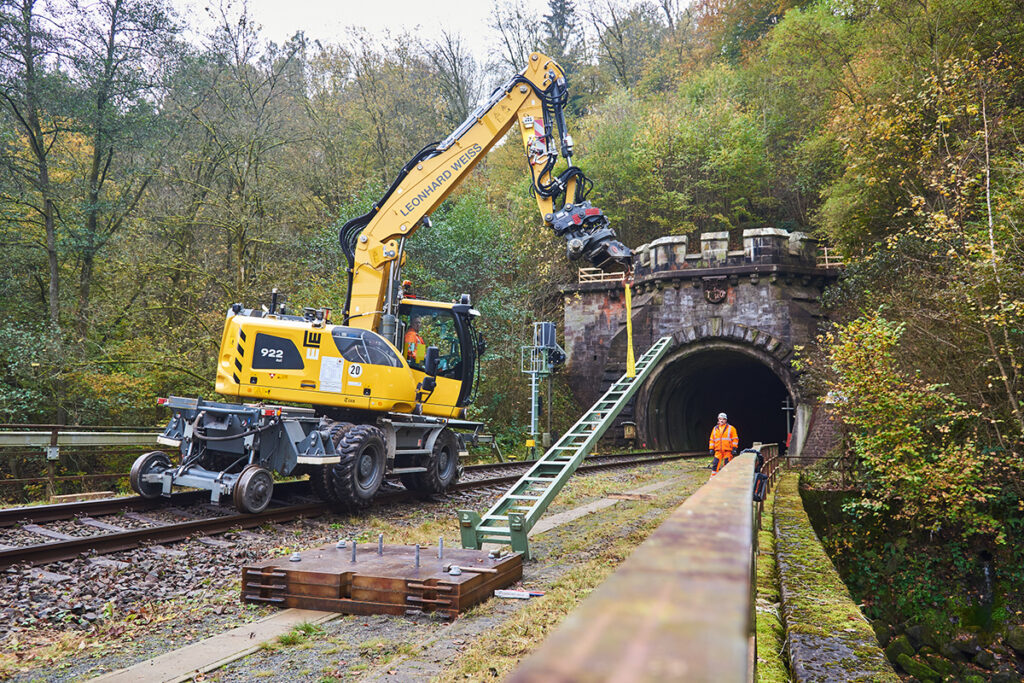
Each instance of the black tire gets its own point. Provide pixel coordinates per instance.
(253, 489)
(321, 478)
(442, 466)
(148, 463)
(357, 478)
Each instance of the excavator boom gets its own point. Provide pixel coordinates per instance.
(535, 98)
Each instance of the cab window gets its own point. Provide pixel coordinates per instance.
(431, 327)
(361, 346)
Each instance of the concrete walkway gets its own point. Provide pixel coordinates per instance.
(206, 655)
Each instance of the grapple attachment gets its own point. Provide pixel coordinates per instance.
(588, 234)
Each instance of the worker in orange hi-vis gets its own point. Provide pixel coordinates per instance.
(724, 443)
(415, 349)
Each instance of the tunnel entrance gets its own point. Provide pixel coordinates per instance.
(680, 405)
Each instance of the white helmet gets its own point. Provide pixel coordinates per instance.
(723, 416)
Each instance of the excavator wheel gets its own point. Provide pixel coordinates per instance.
(147, 463)
(253, 490)
(442, 466)
(356, 479)
(322, 478)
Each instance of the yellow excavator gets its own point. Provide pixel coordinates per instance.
(390, 385)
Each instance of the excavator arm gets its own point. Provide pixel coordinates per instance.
(374, 242)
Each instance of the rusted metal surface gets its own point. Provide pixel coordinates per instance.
(381, 580)
(678, 609)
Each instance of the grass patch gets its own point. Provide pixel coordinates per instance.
(299, 634)
(493, 655)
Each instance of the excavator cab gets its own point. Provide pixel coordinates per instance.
(448, 328)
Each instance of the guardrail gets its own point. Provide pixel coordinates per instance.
(47, 440)
(829, 257)
(598, 275)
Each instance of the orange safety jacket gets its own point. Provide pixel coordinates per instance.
(414, 347)
(724, 439)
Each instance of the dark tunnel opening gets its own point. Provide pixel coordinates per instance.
(687, 395)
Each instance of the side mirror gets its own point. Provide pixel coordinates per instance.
(481, 345)
(430, 360)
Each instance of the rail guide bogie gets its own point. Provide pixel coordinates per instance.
(233, 451)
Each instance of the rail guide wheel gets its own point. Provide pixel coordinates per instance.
(253, 489)
(148, 463)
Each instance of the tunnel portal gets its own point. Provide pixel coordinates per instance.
(684, 398)
(736, 318)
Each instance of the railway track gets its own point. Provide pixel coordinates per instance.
(292, 500)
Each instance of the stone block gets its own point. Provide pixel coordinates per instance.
(1015, 638)
(804, 247)
(940, 664)
(765, 245)
(714, 246)
(918, 670)
(900, 645)
(668, 253)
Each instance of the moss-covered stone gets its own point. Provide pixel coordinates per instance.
(771, 636)
(899, 646)
(985, 659)
(828, 637)
(949, 650)
(918, 670)
(882, 631)
(1009, 675)
(1015, 638)
(940, 664)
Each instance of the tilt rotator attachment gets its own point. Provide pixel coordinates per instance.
(511, 518)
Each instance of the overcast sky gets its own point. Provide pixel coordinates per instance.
(326, 20)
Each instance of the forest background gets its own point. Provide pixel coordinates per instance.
(148, 181)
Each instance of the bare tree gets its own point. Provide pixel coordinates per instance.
(458, 74)
(520, 32)
(626, 37)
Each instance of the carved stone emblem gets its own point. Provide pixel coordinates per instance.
(715, 289)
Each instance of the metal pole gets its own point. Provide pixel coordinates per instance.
(549, 405)
(50, 468)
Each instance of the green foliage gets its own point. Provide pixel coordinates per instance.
(921, 460)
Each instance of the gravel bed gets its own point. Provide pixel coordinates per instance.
(18, 537)
(71, 527)
(123, 520)
(103, 613)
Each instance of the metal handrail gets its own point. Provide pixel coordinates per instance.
(598, 275)
(829, 257)
(678, 608)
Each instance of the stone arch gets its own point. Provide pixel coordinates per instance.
(715, 366)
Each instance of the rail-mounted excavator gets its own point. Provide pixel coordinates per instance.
(389, 386)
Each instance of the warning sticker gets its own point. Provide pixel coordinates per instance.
(331, 372)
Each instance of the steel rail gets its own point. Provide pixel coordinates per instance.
(125, 540)
(37, 514)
